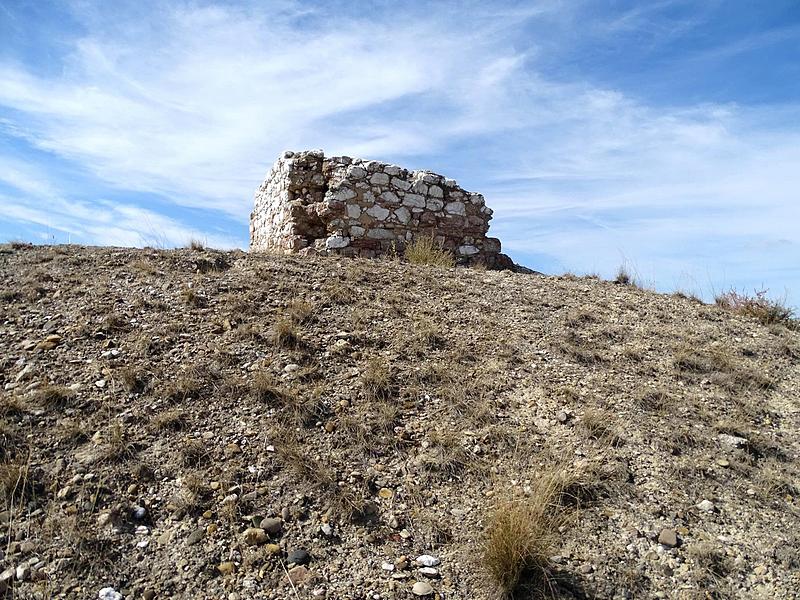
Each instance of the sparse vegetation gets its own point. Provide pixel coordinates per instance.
(760, 307)
(190, 296)
(57, 396)
(193, 452)
(131, 379)
(601, 425)
(623, 276)
(425, 251)
(376, 379)
(582, 416)
(170, 420)
(117, 445)
(285, 333)
(523, 534)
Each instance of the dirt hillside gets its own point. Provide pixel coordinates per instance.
(201, 424)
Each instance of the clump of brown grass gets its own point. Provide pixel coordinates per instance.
(117, 444)
(114, 322)
(426, 336)
(760, 307)
(14, 482)
(285, 332)
(57, 396)
(425, 251)
(720, 367)
(376, 379)
(523, 533)
(624, 276)
(447, 454)
(300, 311)
(196, 245)
(73, 432)
(185, 385)
(193, 452)
(170, 420)
(580, 351)
(601, 425)
(192, 298)
(266, 388)
(144, 267)
(580, 318)
(10, 296)
(653, 400)
(131, 379)
(339, 292)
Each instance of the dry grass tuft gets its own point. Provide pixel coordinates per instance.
(285, 333)
(196, 245)
(143, 267)
(193, 452)
(192, 298)
(425, 251)
(653, 400)
(117, 446)
(15, 483)
(601, 425)
(57, 396)
(376, 379)
(759, 307)
(170, 420)
(266, 387)
(131, 379)
(300, 311)
(720, 367)
(624, 277)
(185, 385)
(524, 532)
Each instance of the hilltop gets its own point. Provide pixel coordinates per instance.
(201, 424)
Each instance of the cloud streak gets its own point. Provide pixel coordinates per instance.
(189, 104)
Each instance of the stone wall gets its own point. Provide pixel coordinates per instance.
(310, 203)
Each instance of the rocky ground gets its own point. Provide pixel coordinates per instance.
(198, 424)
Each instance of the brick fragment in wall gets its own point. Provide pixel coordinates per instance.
(340, 205)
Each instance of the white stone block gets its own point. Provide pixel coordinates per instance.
(390, 197)
(337, 241)
(403, 215)
(401, 183)
(378, 212)
(435, 204)
(356, 172)
(379, 179)
(456, 208)
(380, 234)
(414, 200)
(344, 194)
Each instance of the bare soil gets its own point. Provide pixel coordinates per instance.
(157, 406)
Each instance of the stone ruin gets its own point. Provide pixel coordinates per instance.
(313, 204)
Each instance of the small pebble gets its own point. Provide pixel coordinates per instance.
(705, 505)
(422, 588)
(298, 557)
(426, 560)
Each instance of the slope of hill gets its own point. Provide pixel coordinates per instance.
(198, 424)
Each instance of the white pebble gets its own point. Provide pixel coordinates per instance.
(426, 560)
(109, 593)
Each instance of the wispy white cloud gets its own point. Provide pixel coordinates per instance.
(193, 104)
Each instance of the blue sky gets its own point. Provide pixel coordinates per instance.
(663, 135)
